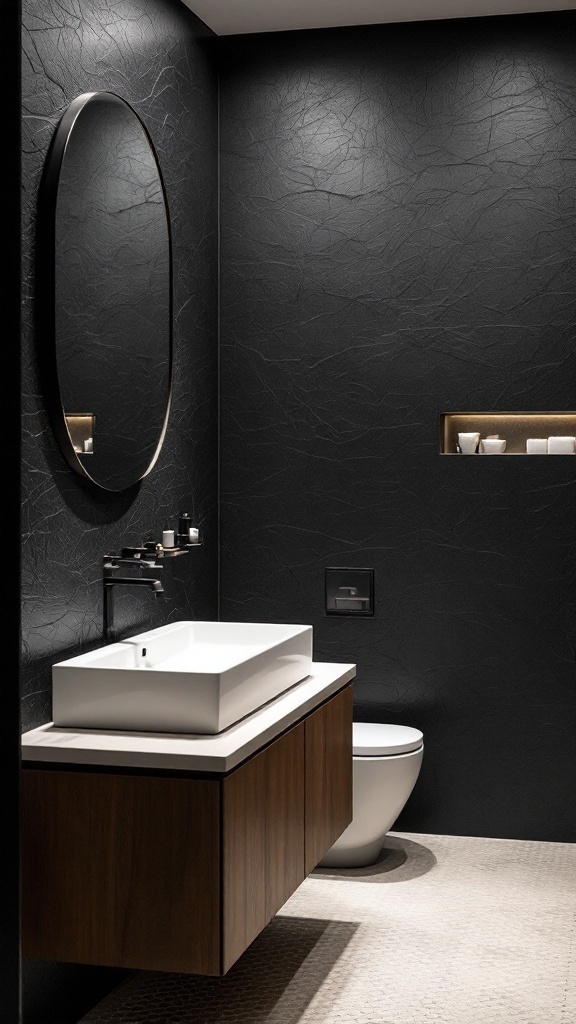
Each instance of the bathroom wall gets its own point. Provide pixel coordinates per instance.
(156, 55)
(10, 517)
(399, 239)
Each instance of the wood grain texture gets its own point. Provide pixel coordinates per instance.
(328, 811)
(121, 871)
(263, 840)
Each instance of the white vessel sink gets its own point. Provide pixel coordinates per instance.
(187, 677)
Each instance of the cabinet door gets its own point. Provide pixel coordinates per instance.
(328, 775)
(121, 870)
(263, 840)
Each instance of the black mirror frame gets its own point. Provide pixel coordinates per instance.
(45, 287)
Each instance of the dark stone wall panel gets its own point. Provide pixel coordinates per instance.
(157, 57)
(398, 239)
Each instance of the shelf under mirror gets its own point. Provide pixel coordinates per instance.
(514, 427)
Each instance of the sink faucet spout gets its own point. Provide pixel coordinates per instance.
(109, 583)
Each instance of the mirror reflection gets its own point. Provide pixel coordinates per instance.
(105, 214)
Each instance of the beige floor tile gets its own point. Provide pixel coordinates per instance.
(442, 930)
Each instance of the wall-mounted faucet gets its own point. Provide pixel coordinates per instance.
(112, 562)
(145, 556)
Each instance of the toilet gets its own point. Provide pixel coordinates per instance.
(387, 760)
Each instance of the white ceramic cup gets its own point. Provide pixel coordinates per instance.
(492, 446)
(468, 443)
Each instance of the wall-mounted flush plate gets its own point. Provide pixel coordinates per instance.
(350, 591)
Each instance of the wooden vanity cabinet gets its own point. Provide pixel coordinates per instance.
(172, 872)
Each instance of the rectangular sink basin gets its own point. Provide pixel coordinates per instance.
(187, 677)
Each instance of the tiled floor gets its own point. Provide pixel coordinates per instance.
(443, 929)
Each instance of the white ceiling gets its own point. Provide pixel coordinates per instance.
(231, 17)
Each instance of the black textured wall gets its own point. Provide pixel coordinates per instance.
(158, 57)
(10, 22)
(398, 239)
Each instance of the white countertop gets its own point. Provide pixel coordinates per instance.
(192, 752)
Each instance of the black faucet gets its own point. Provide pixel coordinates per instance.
(109, 582)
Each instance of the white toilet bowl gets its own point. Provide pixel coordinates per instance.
(387, 760)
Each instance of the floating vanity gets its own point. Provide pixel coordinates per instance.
(171, 852)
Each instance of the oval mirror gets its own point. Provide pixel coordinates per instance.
(104, 291)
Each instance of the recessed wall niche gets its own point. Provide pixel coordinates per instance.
(514, 427)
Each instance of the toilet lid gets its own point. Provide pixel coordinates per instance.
(375, 740)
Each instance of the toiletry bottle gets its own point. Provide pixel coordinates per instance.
(167, 537)
(184, 524)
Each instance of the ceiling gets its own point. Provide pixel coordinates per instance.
(231, 17)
